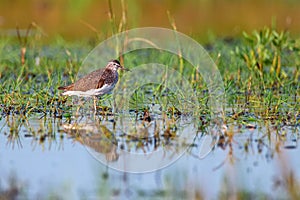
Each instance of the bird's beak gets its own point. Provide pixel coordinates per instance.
(124, 69)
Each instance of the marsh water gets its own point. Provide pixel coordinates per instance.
(71, 159)
(48, 152)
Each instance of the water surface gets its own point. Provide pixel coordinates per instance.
(45, 159)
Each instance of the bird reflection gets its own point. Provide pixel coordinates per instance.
(97, 137)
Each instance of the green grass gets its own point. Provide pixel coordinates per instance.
(256, 86)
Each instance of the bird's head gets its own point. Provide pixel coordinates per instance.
(115, 65)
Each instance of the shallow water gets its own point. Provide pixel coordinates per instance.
(48, 160)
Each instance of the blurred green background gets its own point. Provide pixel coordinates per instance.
(202, 18)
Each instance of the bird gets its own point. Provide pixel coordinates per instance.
(96, 83)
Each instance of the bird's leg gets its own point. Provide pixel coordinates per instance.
(95, 104)
(76, 102)
(80, 103)
(77, 110)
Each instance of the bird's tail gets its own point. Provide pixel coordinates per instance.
(68, 87)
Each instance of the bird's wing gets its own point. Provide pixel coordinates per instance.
(89, 81)
(100, 83)
(107, 77)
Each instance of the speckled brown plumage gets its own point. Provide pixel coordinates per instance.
(95, 79)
